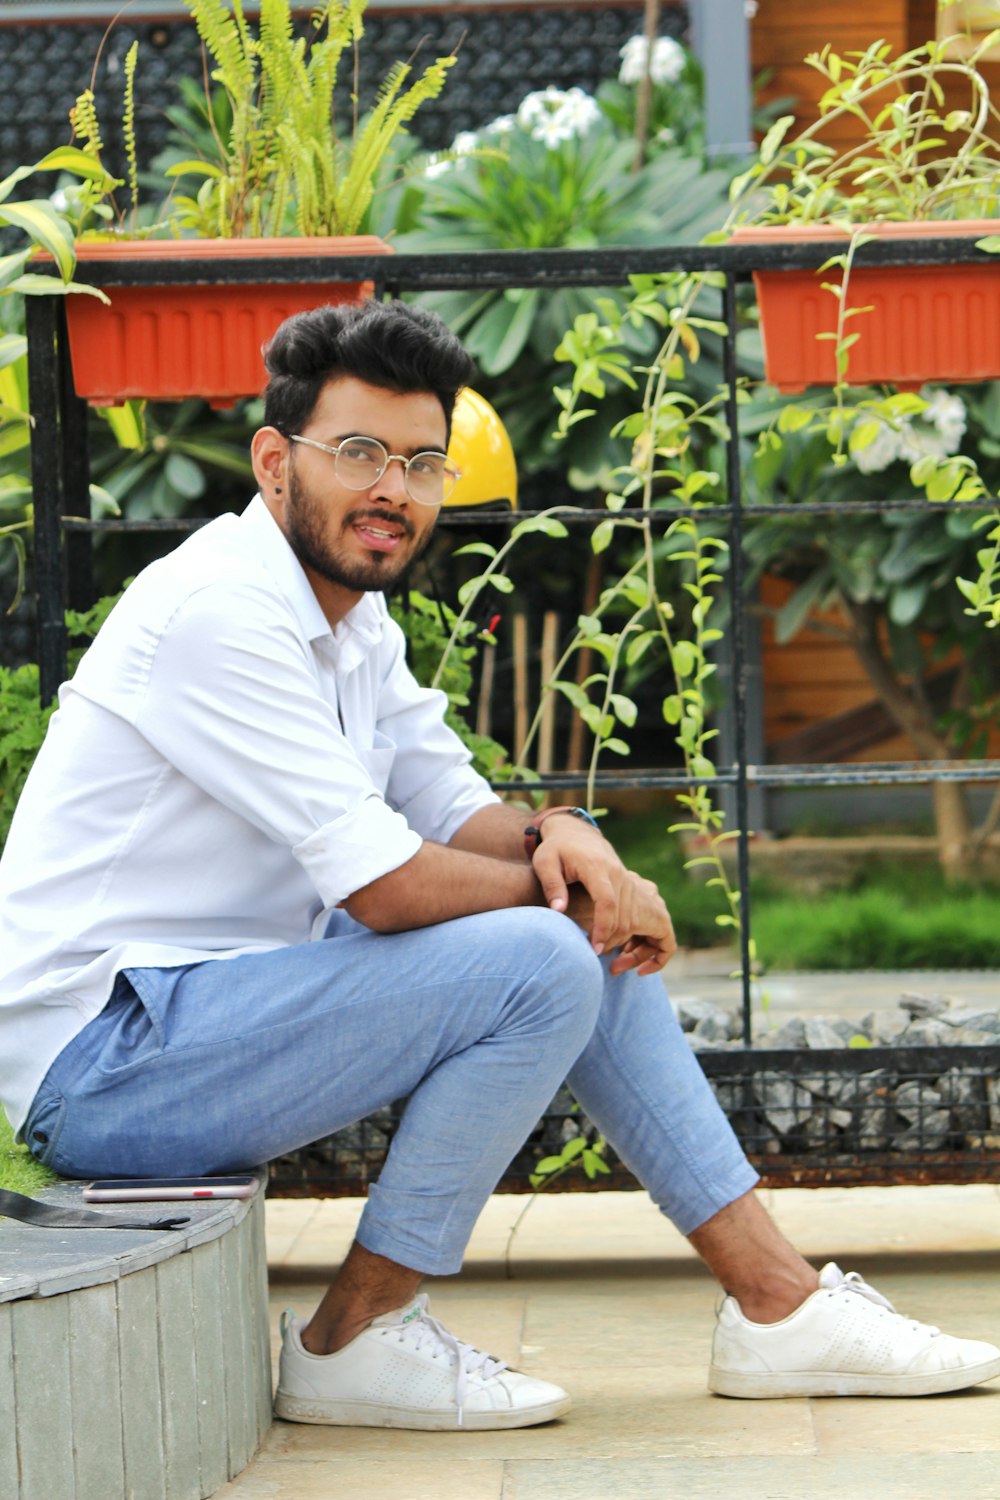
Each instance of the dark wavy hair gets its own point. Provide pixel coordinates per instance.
(387, 344)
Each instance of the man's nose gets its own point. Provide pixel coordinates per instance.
(391, 484)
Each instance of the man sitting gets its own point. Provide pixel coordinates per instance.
(253, 891)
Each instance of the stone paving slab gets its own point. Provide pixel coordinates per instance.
(607, 1298)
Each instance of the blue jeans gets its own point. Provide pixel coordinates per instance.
(220, 1065)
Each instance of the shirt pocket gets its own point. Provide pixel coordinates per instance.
(378, 759)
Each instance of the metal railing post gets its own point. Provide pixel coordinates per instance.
(44, 326)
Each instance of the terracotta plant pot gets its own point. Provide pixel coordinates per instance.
(926, 322)
(171, 342)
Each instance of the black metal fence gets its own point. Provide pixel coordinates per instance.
(833, 1142)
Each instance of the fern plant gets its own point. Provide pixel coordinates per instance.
(288, 165)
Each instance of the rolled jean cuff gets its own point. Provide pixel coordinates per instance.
(374, 1238)
(738, 1182)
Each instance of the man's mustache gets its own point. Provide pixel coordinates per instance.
(380, 517)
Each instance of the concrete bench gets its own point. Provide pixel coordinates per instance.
(134, 1365)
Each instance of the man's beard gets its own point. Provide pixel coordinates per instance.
(305, 517)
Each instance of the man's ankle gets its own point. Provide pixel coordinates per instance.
(777, 1296)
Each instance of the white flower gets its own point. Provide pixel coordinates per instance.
(947, 413)
(538, 106)
(750, 8)
(552, 115)
(667, 63)
(465, 142)
(580, 110)
(934, 432)
(502, 125)
(552, 131)
(880, 452)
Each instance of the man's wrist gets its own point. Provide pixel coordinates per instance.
(533, 832)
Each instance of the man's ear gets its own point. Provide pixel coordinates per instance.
(269, 455)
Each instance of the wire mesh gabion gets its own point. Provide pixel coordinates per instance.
(806, 1119)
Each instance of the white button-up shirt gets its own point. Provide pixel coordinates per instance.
(221, 771)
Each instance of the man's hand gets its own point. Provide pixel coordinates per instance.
(581, 875)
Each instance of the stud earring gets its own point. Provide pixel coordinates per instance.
(278, 490)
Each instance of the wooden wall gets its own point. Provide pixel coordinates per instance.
(818, 703)
(784, 31)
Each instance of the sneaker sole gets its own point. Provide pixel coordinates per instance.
(830, 1383)
(368, 1414)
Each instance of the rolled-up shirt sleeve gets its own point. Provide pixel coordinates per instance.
(432, 781)
(233, 702)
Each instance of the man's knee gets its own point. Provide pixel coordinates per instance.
(562, 974)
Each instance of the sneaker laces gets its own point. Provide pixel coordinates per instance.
(833, 1279)
(425, 1330)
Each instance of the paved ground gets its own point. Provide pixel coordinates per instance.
(609, 1300)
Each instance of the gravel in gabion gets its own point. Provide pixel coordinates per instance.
(883, 1110)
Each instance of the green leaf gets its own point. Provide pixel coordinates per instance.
(625, 710)
(128, 423)
(793, 418)
(12, 347)
(184, 476)
(201, 168)
(40, 220)
(80, 163)
(602, 534)
(863, 434)
(102, 503)
(482, 549)
(572, 691)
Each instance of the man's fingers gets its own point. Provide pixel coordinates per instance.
(548, 868)
(605, 932)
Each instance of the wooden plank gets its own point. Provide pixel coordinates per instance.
(240, 1395)
(175, 1311)
(43, 1396)
(207, 1332)
(8, 1421)
(262, 1321)
(809, 702)
(141, 1392)
(96, 1375)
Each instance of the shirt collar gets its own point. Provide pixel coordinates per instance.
(361, 628)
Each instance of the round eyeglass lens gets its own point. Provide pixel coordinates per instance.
(428, 478)
(360, 462)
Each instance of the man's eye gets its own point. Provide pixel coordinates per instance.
(427, 463)
(359, 453)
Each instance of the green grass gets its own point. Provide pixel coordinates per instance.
(879, 928)
(19, 1171)
(895, 915)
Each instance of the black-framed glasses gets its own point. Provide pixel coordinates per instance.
(360, 462)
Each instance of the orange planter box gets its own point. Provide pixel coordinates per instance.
(937, 323)
(171, 342)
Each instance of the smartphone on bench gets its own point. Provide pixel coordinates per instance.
(152, 1189)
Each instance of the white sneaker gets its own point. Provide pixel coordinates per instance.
(845, 1340)
(407, 1370)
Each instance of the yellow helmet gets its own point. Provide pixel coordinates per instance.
(482, 450)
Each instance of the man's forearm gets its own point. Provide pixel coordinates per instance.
(497, 831)
(441, 883)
